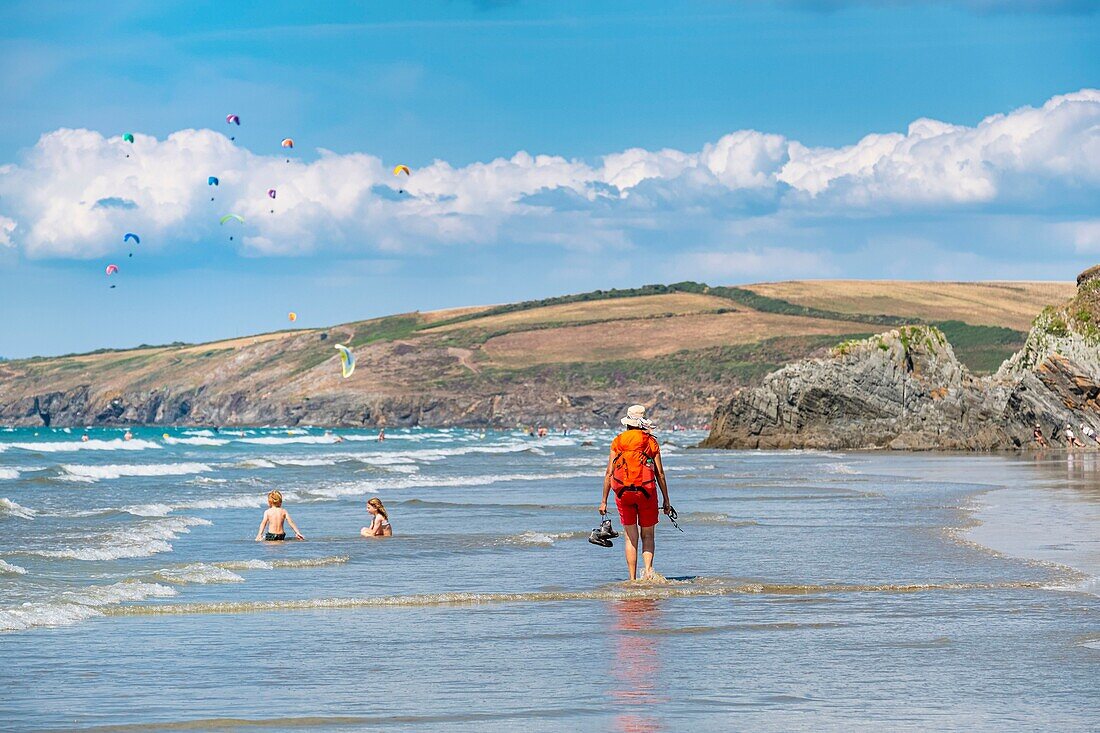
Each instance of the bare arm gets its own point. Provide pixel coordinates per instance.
(660, 472)
(606, 484)
(293, 526)
(263, 526)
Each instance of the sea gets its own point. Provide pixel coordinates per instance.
(803, 590)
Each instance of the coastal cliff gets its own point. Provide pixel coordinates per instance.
(905, 389)
(576, 359)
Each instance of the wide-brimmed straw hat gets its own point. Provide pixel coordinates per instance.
(635, 418)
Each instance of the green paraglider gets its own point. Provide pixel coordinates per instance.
(128, 138)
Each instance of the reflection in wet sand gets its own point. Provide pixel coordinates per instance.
(635, 665)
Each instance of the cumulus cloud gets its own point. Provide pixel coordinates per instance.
(76, 191)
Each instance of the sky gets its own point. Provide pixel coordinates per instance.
(554, 148)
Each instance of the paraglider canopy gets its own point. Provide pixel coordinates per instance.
(212, 181)
(347, 360)
(128, 138)
(292, 316)
(401, 169)
(112, 269)
(271, 192)
(227, 217)
(233, 120)
(287, 142)
(130, 235)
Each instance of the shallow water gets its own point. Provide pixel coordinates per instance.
(817, 590)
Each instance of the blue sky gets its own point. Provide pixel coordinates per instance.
(457, 89)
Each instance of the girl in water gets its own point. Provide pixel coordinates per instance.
(380, 521)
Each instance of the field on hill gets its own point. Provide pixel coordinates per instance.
(575, 358)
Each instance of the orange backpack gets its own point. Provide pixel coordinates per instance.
(632, 468)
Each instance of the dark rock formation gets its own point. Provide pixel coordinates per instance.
(904, 389)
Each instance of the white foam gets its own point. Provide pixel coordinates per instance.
(140, 540)
(198, 440)
(314, 439)
(71, 607)
(200, 433)
(8, 473)
(76, 472)
(842, 468)
(200, 573)
(256, 463)
(305, 461)
(9, 508)
(373, 486)
(147, 510)
(7, 568)
(541, 539)
(74, 445)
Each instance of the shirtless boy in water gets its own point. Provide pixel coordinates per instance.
(273, 521)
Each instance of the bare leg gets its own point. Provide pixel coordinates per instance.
(631, 548)
(648, 543)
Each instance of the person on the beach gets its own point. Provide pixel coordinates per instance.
(84, 438)
(1090, 433)
(1072, 439)
(271, 526)
(1037, 434)
(380, 520)
(635, 471)
(128, 435)
(381, 435)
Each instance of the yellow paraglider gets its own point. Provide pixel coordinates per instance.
(402, 169)
(292, 316)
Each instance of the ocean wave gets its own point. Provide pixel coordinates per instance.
(8, 473)
(76, 472)
(71, 607)
(312, 439)
(542, 539)
(200, 573)
(139, 540)
(6, 568)
(9, 508)
(74, 445)
(304, 461)
(660, 588)
(255, 463)
(198, 440)
(842, 468)
(373, 486)
(305, 562)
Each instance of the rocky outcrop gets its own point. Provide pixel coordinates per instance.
(904, 389)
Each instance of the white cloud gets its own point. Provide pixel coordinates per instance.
(76, 191)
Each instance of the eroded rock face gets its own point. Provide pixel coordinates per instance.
(905, 389)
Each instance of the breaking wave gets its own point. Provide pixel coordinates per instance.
(139, 540)
(200, 573)
(74, 445)
(96, 473)
(9, 569)
(9, 508)
(658, 589)
(9, 473)
(197, 440)
(71, 607)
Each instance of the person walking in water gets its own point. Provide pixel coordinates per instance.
(634, 472)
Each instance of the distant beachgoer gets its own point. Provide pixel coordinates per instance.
(1071, 438)
(1089, 433)
(271, 526)
(1037, 433)
(381, 435)
(128, 435)
(84, 438)
(380, 520)
(635, 471)
(542, 431)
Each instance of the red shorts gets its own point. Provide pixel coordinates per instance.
(635, 508)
